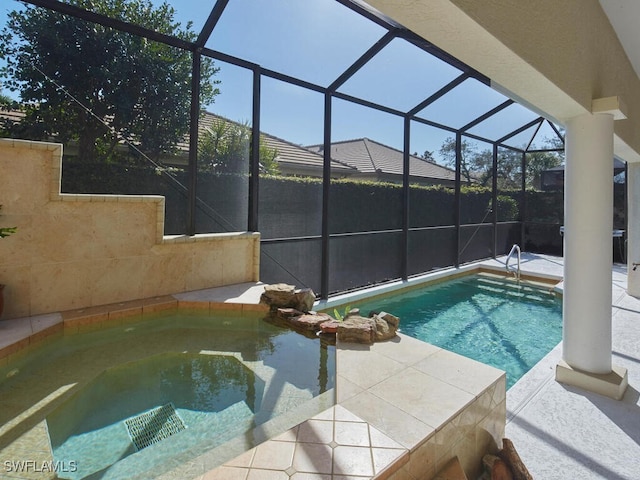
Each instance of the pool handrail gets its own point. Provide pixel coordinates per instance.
(514, 249)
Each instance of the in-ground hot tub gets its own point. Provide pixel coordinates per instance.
(184, 391)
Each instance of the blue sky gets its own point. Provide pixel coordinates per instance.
(316, 40)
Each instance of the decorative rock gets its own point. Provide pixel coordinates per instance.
(383, 332)
(357, 329)
(304, 299)
(285, 313)
(386, 326)
(278, 295)
(293, 308)
(330, 326)
(308, 322)
(282, 295)
(392, 320)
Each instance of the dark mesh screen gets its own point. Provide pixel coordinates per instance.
(297, 262)
(476, 242)
(431, 249)
(361, 260)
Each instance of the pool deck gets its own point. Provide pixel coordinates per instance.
(560, 432)
(563, 432)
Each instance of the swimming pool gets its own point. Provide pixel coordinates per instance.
(183, 392)
(485, 317)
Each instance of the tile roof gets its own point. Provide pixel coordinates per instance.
(295, 154)
(361, 155)
(288, 152)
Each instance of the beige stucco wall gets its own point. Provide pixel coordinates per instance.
(74, 251)
(554, 55)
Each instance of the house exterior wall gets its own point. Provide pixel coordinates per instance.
(75, 251)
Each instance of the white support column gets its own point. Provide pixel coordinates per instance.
(633, 229)
(588, 244)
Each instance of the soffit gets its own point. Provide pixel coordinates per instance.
(624, 16)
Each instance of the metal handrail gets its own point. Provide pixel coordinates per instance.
(515, 249)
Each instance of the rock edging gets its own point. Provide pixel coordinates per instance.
(292, 307)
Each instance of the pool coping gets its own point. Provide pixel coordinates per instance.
(243, 299)
(538, 279)
(19, 336)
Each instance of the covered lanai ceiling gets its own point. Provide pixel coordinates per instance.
(623, 16)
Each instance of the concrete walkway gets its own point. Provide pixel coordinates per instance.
(562, 432)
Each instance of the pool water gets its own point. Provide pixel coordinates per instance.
(487, 318)
(179, 393)
(205, 393)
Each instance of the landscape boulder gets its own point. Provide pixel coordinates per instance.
(330, 326)
(357, 329)
(377, 328)
(293, 308)
(278, 295)
(285, 313)
(282, 295)
(386, 326)
(308, 322)
(304, 299)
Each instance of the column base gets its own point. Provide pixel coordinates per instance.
(612, 385)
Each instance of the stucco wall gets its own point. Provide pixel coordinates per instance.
(73, 251)
(554, 55)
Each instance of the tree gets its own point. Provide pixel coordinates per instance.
(74, 77)
(224, 148)
(509, 169)
(475, 166)
(537, 162)
(426, 156)
(5, 101)
(478, 165)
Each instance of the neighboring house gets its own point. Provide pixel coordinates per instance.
(11, 116)
(378, 162)
(293, 160)
(296, 160)
(361, 159)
